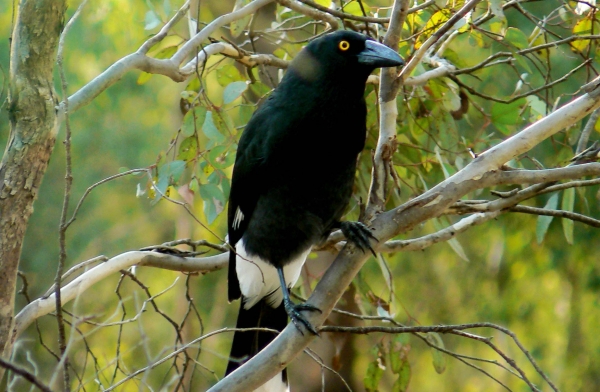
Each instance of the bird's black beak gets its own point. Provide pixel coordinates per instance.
(378, 55)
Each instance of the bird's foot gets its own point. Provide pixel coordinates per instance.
(359, 234)
(293, 310)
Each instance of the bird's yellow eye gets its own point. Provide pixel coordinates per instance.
(344, 45)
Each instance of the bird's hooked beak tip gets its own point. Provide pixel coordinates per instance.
(379, 55)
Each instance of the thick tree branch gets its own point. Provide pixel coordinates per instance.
(388, 89)
(33, 128)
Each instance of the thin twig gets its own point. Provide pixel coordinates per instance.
(65, 207)
(557, 213)
(32, 378)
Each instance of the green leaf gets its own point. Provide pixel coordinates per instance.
(401, 383)
(568, 202)
(537, 105)
(238, 26)
(192, 120)
(476, 38)
(516, 37)
(161, 189)
(543, 221)
(210, 130)
(399, 349)
(373, 375)
(583, 27)
(439, 360)
(523, 62)
(227, 74)
(188, 128)
(233, 91)
(215, 177)
(167, 7)
(353, 7)
(166, 52)
(386, 272)
(214, 201)
(506, 114)
(188, 149)
(496, 8)
(224, 122)
(168, 174)
(151, 20)
(171, 170)
(143, 78)
(226, 186)
(438, 18)
(453, 242)
(220, 157)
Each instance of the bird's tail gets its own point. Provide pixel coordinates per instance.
(247, 344)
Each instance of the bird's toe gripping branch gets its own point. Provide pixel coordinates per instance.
(297, 318)
(294, 310)
(359, 234)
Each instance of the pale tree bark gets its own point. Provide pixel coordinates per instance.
(32, 105)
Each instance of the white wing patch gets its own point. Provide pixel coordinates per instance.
(276, 384)
(237, 219)
(259, 279)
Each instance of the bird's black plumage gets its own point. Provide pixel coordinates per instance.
(293, 179)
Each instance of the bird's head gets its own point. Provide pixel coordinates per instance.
(344, 52)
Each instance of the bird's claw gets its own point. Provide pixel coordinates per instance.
(359, 234)
(297, 318)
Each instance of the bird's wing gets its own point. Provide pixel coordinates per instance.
(247, 183)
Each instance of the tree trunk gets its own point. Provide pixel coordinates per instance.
(32, 105)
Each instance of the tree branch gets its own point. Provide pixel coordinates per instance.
(45, 305)
(439, 236)
(557, 213)
(25, 374)
(388, 89)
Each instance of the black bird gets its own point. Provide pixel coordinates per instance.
(292, 181)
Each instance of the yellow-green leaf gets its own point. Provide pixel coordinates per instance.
(583, 27)
(439, 360)
(238, 26)
(543, 221)
(516, 37)
(353, 7)
(144, 77)
(568, 202)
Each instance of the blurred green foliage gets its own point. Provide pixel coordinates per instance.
(542, 284)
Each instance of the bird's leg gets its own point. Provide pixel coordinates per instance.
(293, 310)
(359, 234)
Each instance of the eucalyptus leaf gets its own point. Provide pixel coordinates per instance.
(568, 202)
(233, 91)
(210, 129)
(151, 20)
(543, 221)
(439, 360)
